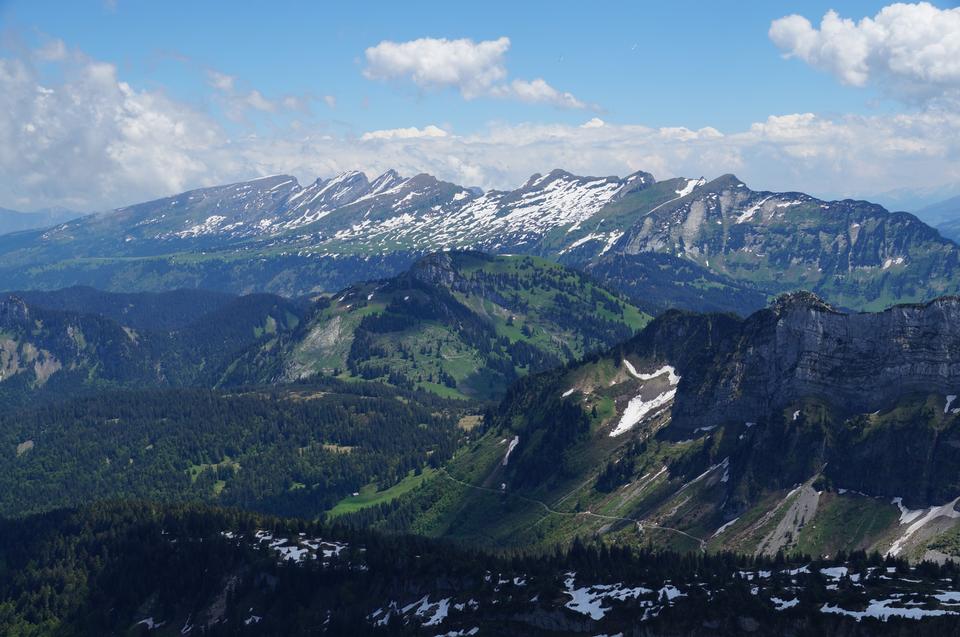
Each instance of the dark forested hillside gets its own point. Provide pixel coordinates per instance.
(138, 310)
(54, 352)
(657, 282)
(187, 570)
(295, 451)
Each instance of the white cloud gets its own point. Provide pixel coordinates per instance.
(476, 69)
(91, 139)
(537, 91)
(594, 122)
(254, 99)
(405, 133)
(911, 51)
(221, 81)
(472, 67)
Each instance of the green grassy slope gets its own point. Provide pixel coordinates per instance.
(462, 324)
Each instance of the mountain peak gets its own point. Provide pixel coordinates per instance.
(348, 174)
(724, 182)
(534, 178)
(538, 179)
(635, 182)
(801, 300)
(385, 182)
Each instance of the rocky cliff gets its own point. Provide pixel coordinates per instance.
(801, 348)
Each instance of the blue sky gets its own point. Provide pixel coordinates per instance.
(690, 64)
(300, 76)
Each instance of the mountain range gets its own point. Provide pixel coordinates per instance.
(274, 235)
(946, 215)
(15, 221)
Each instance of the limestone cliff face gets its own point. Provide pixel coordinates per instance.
(43, 343)
(801, 348)
(437, 269)
(833, 393)
(863, 361)
(443, 270)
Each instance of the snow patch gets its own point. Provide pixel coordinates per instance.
(510, 448)
(946, 510)
(150, 623)
(747, 214)
(906, 515)
(689, 187)
(674, 379)
(725, 527)
(638, 408)
(588, 600)
(889, 263)
(783, 604)
(883, 610)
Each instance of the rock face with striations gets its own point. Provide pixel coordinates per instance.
(801, 348)
(830, 393)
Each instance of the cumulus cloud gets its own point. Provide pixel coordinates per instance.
(405, 133)
(537, 91)
(910, 50)
(472, 67)
(92, 138)
(83, 138)
(476, 69)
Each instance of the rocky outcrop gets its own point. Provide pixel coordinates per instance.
(445, 270)
(801, 348)
(13, 310)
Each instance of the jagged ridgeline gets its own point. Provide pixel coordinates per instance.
(799, 428)
(692, 243)
(457, 324)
